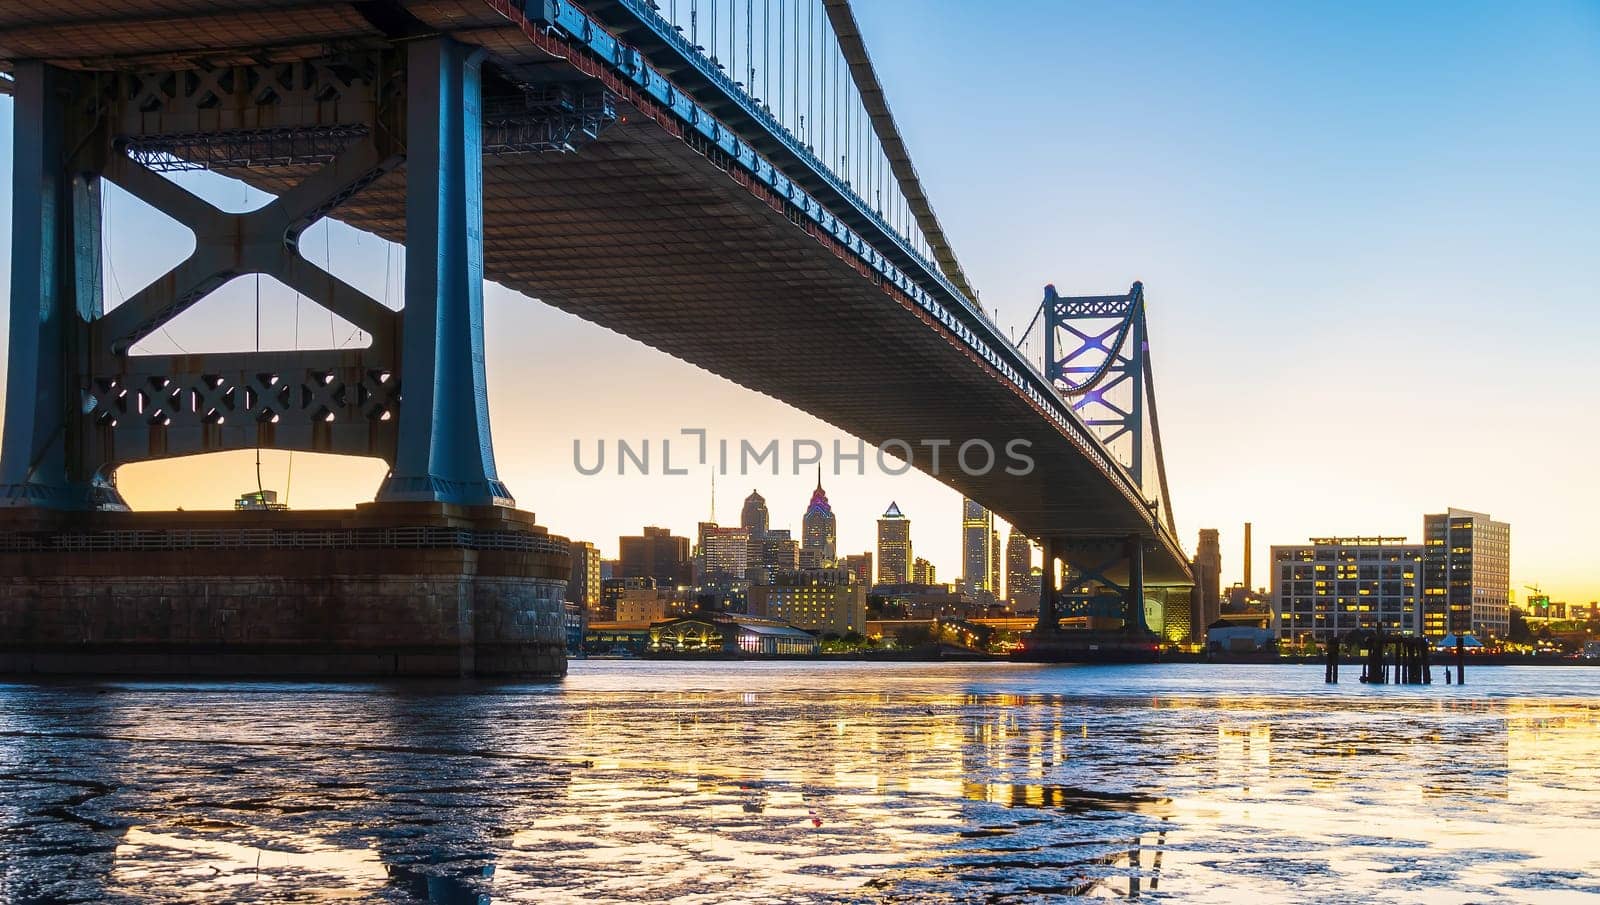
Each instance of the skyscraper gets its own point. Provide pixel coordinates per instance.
(894, 547)
(977, 548)
(1021, 589)
(1466, 574)
(1206, 604)
(724, 553)
(818, 531)
(754, 515)
(753, 519)
(923, 572)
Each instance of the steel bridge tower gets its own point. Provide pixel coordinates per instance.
(1097, 355)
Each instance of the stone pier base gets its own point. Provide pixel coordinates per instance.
(394, 589)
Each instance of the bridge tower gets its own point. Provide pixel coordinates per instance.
(1097, 355)
(80, 403)
(316, 129)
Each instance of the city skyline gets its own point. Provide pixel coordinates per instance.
(1422, 241)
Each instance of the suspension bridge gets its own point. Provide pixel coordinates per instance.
(721, 180)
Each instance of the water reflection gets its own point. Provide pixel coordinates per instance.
(751, 782)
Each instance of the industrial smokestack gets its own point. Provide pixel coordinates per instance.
(1247, 585)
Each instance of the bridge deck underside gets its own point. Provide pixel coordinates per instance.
(641, 233)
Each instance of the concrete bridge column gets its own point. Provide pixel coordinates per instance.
(445, 450)
(55, 294)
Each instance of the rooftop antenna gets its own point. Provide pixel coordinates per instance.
(713, 496)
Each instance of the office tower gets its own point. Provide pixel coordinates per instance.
(859, 564)
(1021, 590)
(583, 585)
(1206, 604)
(1467, 574)
(977, 551)
(753, 517)
(818, 531)
(658, 555)
(1336, 585)
(894, 547)
(779, 552)
(724, 553)
(922, 571)
(994, 564)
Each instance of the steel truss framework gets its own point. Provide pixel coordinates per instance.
(1097, 354)
(80, 403)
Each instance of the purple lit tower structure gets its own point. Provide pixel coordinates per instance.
(819, 530)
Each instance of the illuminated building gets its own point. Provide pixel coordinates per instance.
(894, 547)
(977, 548)
(1022, 588)
(818, 529)
(640, 605)
(724, 552)
(1337, 585)
(583, 585)
(859, 564)
(922, 572)
(819, 600)
(745, 635)
(1468, 574)
(658, 555)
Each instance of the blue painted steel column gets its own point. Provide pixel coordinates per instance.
(1049, 597)
(1134, 618)
(445, 451)
(55, 293)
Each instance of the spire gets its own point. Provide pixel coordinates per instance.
(819, 476)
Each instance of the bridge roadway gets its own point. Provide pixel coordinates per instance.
(654, 232)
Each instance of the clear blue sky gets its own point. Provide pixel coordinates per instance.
(1383, 213)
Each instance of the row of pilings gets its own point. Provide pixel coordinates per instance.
(1400, 659)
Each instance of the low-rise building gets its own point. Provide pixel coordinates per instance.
(1336, 585)
(744, 635)
(819, 600)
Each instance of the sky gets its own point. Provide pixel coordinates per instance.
(1369, 236)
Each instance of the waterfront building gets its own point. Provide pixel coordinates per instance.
(819, 530)
(859, 564)
(658, 555)
(1336, 585)
(583, 584)
(1467, 574)
(922, 572)
(894, 547)
(1021, 589)
(977, 548)
(820, 600)
(1206, 603)
(743, 635)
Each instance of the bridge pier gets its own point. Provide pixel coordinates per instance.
(441, 576)
(1102, 585)
(55, 294)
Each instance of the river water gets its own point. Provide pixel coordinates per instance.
(785, 782)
